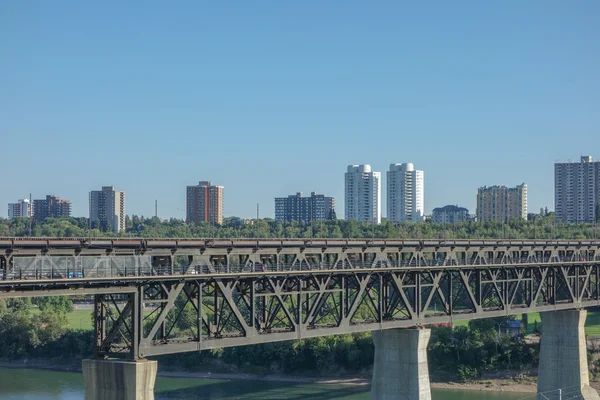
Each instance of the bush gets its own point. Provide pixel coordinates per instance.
(466, 373)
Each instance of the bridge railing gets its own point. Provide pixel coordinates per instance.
(90, 267)
(186, 243)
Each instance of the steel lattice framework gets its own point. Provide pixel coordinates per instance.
(166, 296)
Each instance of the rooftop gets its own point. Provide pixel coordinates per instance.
(450, 208)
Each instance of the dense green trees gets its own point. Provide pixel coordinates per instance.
(469, 352)
(542, 227)
(23, 334)
(59, 304)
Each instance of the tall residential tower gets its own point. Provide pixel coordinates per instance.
(363, 194)
(577, 191)
(405, 193)
(204, 203)
(21, 208)
(50, 207)
(107, 206)
(317, 207)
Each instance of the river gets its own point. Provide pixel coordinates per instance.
(32, 384)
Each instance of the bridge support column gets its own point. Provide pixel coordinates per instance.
(119, 379)
(400, 370)
(563, 357)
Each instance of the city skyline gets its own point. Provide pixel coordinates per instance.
(474, 94)
(382, 194)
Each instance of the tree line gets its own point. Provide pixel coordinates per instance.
(541, 227)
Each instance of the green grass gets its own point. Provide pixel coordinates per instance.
(78, 319)
(592, 323)
(464, 322)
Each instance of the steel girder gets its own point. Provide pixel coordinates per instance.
(205, 313)
(27, 265)
(166, 296)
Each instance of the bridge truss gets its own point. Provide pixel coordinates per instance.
(156, 299)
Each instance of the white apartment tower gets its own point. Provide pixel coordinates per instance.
(22, 208)
(108, 206)
(577, 190)
(363, 194)
(405, 193)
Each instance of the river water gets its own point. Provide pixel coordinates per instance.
(32, 384)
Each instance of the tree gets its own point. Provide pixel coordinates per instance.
(56, 304)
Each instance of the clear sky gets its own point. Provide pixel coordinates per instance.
(272, 97)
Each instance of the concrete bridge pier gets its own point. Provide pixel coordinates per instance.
(563, 357)
(400, 370)
(119, 379)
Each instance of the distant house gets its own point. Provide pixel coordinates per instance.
(511, 328)
(449, 214)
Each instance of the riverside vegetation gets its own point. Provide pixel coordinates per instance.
(459, 353)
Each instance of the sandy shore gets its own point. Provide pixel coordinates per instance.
(525, 385)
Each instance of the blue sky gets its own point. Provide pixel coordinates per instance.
(268, 98)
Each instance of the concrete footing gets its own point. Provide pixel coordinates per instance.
(400, 370)
(119, 380)
(563, 357)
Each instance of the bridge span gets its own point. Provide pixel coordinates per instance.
(161, 296)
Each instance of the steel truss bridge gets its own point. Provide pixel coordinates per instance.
(161, 296)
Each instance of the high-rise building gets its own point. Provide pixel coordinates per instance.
(107, 206)
(577, 190)
(405, 193)
(500, 203)
(363, 194)
(51, 207)
(449, 214)
(317, 207)
(22, 208)
(204, 203)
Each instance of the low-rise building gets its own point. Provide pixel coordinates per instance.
(449, 214)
